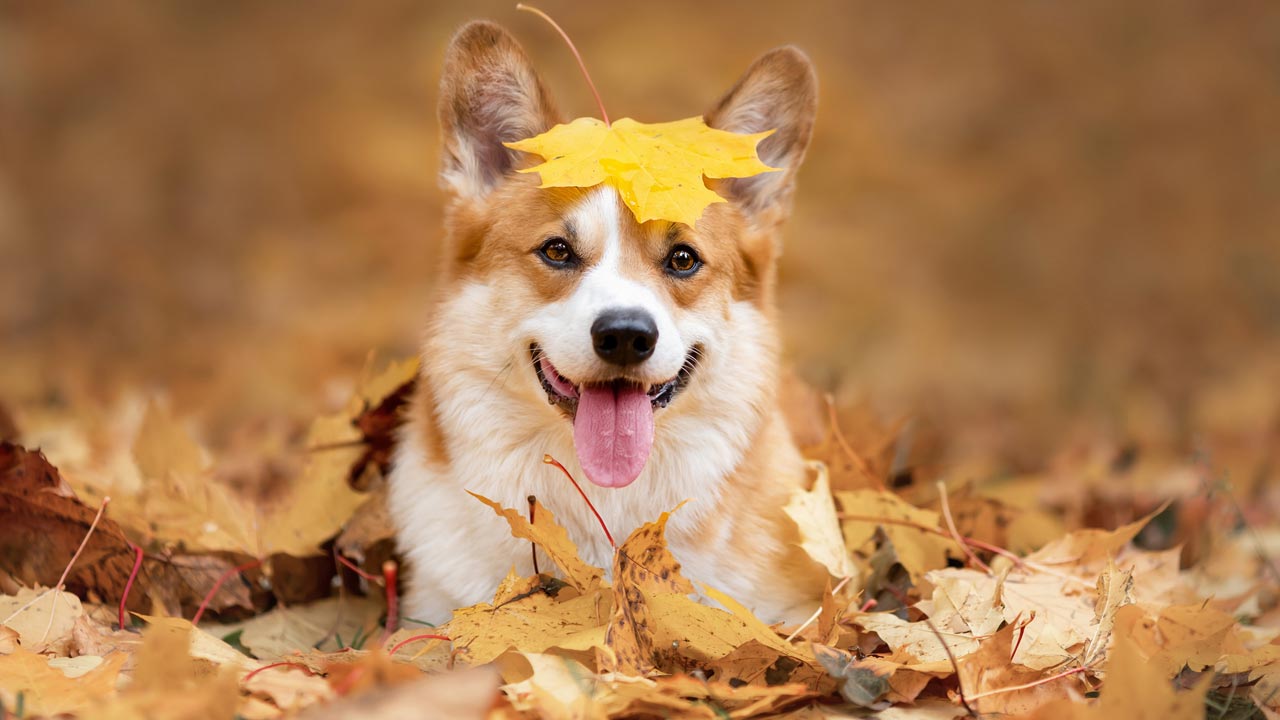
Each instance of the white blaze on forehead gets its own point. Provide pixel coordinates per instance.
(564, 328)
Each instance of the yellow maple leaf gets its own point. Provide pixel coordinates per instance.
(657, 168)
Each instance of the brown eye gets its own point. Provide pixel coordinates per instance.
(557, 253)
(683, 261)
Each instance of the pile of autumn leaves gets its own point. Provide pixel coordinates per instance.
(928, 615)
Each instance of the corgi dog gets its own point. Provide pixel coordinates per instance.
(645, 357)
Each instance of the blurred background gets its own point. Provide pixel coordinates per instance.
(1033, 227)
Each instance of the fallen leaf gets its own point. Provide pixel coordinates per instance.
(916, 639)
(1090, 549)
(534, 623)
(1132, 689)
(989, 669)
(1114, 590)
(48, 691)
(43, 619)
(461, 695)
(319, 503)
(553, 539)
(321, 624)
(643, 565)
(814, 513)
(168, 682)
(658, 169)
(918, 551)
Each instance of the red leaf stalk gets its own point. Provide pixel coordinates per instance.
(415, 638)
(204, 604)
(389, 573)
(552, 461)
(133, 575)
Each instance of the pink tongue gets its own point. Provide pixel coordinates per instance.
(613, 432)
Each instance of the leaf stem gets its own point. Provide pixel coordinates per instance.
(414, 638)
(533, 504)
(389, 572)
(1021, 563)
(53, 606)
(552, 461)
(298, 665)
(954, 665)
(955, 534)
(133, 575)
(858, 461)
(1027, 686)
(374, 579)
(572, 48)
(204, 604)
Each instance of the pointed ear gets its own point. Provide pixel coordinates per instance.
(778, 92)
(489, 94)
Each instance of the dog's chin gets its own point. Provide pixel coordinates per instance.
(563, 392)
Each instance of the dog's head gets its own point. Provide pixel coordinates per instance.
(560, 295)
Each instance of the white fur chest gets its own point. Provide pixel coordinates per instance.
(459, 549)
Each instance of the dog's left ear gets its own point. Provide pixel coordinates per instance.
(489, 94)
(778, 92)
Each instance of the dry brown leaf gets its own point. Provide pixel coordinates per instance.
(428, 655)
(1114, 590)
(8, 640)
(358, 672)
(285, 630)
(48, 691)
(553, 539)
(966, 600)
(555, 687)
(318, 503)
(377, 411)
(1194, 636)
(369, 525)
(916, 639)
(43, 619)
(740, 701)
(1054, 611)
(178, 502)
(1089, 550)
(44, 523)
(703, 634)
(917, 550)
(203, 649)
(534, 623)
(642, 566)
(989, 668)
(1133, 689)
(288, 688)
(814, 513)
(460, 695)
(168, 682)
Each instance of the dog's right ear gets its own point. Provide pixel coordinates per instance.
(489, 94)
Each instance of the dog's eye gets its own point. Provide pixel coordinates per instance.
(683, 261)
(557, 253)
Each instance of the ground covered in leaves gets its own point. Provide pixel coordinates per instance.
(1032, 256)
(142, 578)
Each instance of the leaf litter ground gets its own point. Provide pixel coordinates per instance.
(193, 593)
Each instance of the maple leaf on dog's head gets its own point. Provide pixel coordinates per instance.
(657, 169)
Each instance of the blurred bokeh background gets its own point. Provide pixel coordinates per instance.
(1024, 224)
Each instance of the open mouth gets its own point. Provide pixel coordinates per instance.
(564, 393)
(612, 420)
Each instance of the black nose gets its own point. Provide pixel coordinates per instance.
(624, 336)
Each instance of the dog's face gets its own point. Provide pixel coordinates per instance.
(592, 319)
